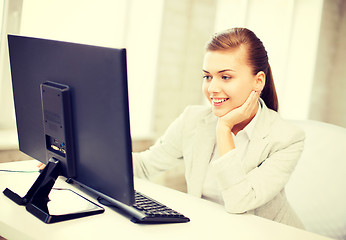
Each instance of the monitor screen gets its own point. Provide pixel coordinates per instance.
(96, 79)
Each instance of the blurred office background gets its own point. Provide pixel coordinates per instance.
(305, 40)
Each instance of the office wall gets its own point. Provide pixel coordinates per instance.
(133, 24)
(186, 26)
(329, 86)
(10, 22)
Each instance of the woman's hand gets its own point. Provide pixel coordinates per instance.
(226, 123)
(41, 166)
(241, 113)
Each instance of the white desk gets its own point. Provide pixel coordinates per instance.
(208, 220)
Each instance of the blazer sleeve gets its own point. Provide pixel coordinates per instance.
(243, 191)
(163, 155)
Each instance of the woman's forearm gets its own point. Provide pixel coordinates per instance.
(224, 138)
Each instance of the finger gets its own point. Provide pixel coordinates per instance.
(250, 101)
(256, 97)
(41, 166)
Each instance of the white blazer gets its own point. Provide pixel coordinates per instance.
(253, 183)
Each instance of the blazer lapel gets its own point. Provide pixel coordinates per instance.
(259, 140)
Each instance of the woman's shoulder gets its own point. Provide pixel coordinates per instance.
(196, 115)
(198, 112)
(282, 128)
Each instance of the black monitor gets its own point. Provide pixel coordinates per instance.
(71, 104)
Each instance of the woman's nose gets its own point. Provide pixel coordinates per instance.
(213, 86)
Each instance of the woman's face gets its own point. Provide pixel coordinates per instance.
(227, 80)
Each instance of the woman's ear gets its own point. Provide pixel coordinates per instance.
(260, 80)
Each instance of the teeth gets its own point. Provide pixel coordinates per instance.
(219, 100)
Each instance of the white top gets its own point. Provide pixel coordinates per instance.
(211, 191)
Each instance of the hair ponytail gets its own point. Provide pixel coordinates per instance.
(268, 94)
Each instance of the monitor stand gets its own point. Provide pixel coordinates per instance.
(52, 205)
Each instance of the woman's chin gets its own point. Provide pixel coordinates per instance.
(219, 113)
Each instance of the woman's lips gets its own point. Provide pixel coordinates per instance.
(218, 101)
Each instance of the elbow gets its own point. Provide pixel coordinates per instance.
(240, 202)
(231, 208)
(238, 206)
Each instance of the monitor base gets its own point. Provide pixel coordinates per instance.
(57, 205)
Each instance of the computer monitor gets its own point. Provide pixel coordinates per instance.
(71, 104)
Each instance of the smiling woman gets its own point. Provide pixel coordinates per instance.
(248, 58)
(238, 151)
(227, 81)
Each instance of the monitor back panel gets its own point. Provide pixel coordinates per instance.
(97, 78)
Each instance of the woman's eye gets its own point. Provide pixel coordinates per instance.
(226, 77)
(207, 78)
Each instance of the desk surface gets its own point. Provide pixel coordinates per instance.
(208, 220)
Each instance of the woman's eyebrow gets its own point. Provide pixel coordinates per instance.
(221, 71)
(226, 70)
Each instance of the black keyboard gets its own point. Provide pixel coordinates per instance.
(147, 210)
(155, 212)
